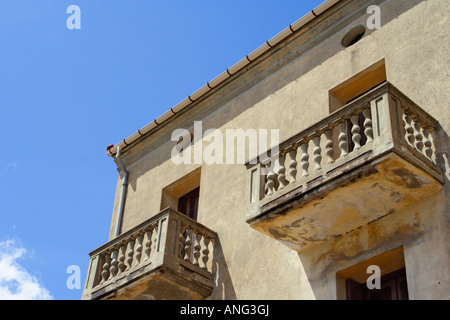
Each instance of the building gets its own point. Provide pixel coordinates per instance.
(358, 185)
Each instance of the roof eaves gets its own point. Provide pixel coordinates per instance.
(112, 149)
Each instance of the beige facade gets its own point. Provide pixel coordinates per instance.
(384, 203)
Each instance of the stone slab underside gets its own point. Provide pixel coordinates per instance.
(302, 219)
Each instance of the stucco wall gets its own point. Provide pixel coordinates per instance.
(414, 42)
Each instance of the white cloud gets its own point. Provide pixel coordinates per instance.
(16, 283)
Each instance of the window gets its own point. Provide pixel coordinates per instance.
(351, 282)
(183, 194)
(353, 36)
(353, 88)
(357, 85)
(188, 204)
(393, 287)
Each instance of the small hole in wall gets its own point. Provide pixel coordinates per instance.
(353, 36)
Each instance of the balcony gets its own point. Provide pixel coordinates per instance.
(167, 257)
(368, 159)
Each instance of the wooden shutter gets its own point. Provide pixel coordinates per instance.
(393, 287)
(188, 204)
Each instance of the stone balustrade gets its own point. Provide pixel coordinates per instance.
(378, 123)
(169, 241)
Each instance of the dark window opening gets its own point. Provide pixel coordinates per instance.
(393, 287)
(188, 204)
(353, 36)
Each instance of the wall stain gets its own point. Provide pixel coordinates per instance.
(411, 181)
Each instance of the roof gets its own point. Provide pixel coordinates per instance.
(112, 149)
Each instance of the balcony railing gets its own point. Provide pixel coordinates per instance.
(382, 121)
(168, 256)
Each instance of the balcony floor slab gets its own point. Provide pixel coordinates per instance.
(330, 208)
(160, 284)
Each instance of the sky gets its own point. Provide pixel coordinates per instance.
(66, 94)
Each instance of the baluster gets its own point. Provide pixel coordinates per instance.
(342, 139)
(113, 269)
(281, 171)
(148, 244)
(205, 252)
(138, 251)
(427, 143)
(356, 130)
(329, 151)
(197, 247)
(292, 165)
(187, 245)
(105, 268)
(304, 159)
(182, 240)
(122, 265)
(417, 135)
(408, 128)
(368, 129)
(317, 152)
(130, 254)
(270, 180)
(155, 238)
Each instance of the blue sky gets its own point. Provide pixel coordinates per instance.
(67, 94)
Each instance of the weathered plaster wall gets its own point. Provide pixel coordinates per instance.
(416, 228)
(414, 42)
